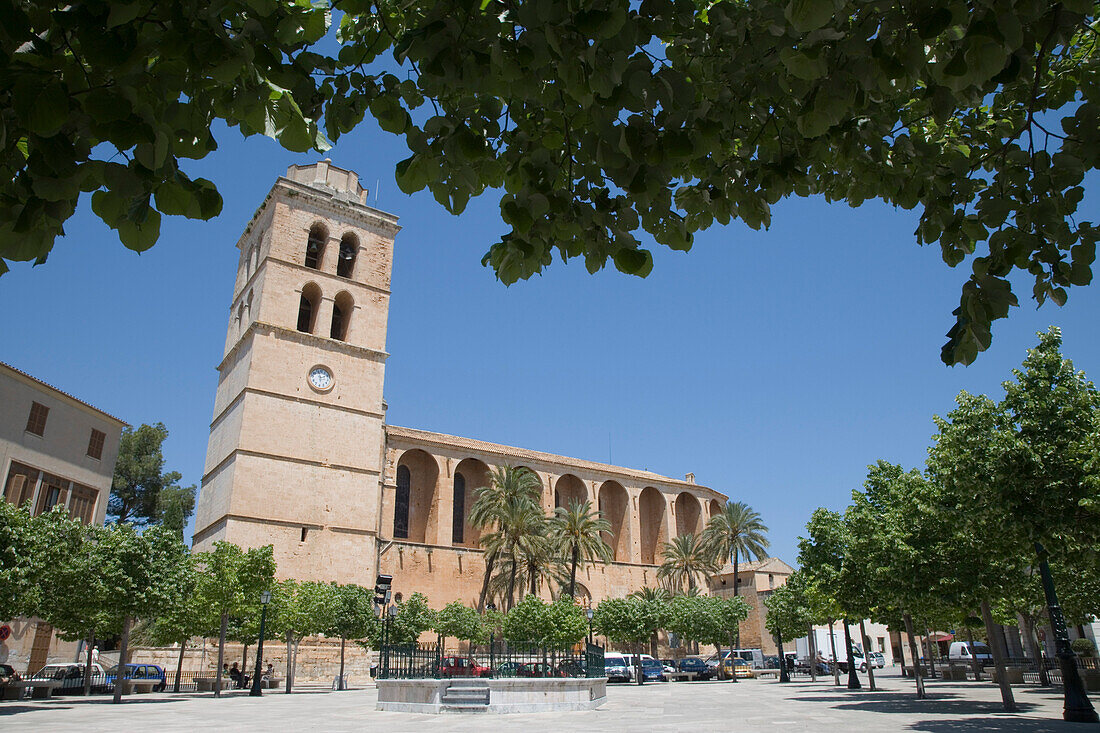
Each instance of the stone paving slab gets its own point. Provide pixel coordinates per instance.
(749, 705)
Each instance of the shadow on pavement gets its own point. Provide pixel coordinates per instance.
(892, 702)
(995, 725)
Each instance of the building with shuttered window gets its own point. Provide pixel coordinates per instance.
(55, 450)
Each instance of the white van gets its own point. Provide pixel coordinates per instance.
(962, 651)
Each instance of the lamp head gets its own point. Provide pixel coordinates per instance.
(265, 597)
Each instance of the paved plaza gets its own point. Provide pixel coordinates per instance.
(750, 705)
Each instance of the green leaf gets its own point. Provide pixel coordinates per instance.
(633, 261)
(801, 65)
(809, 15)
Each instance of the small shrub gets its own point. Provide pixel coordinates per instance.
(1084, 647)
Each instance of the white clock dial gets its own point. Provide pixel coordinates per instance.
(320, 378)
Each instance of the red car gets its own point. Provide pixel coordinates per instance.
(463, 667)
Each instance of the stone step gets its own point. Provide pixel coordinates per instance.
(467, 696)
(464, 708)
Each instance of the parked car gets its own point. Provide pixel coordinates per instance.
(857, 657)
(573, 667)
(616, 669)
(961, 651)
(136, 671)
(696, 666)
(742, 668)
(876, 660)
(652, 669)
(71, 677)
(462, 667)
(509, 669)
(538, 669)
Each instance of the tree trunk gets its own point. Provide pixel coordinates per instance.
(853, 678)
(736, 592)
(733, 670)
(867, 655)
(244, 662)
(832, 645)
(638, 662)
(813, 651)
(913, 653)
(221, 654)
(1028, 625)
(783, 675)
(532, 570)
(87, 666)
(998, 659)
(179, 666)
(489, 563)
(340, 684)
(289, 666)
(123, 650)
(928, 650)
(512, 584)
(573, 570)
(977, 665)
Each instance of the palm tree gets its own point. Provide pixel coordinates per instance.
(735, 532)
(684, 560)
(509, 489)
(575, 533)
(520, 533)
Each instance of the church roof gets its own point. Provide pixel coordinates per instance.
(768, 564)
(523, 454)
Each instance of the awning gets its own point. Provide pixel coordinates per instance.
(937, 637)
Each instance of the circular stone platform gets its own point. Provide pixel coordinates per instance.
(538, 695)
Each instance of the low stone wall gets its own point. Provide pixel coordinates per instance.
(505, 695)
(318, 658)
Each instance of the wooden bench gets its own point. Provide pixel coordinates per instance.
(40, 689)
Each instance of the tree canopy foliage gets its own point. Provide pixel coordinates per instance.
(598, 123)
(142, 492)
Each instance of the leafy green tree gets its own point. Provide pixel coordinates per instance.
(175, 505)
(655, 595)
(230, 582)
(685, 561)
(140, 479)
(459, 621)
(299, 611)
(350, 616)
(182, 617)
(575, 531)
(729, 614)
(717, 112)
(22, 562)
(629, 621)
(789, 611)
(414, 617)
(513, 492)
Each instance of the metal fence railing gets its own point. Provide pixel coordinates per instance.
(498, 660)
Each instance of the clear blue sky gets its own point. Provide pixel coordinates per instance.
(774, 365)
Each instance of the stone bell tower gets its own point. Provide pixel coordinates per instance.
(296, 443)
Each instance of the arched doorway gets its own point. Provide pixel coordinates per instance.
(654, 526)
(471, 475)
(415, 505)
(613, 503)
(569, 489)
(688, 514)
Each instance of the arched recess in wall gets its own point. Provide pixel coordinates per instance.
(614, 504)
(421, 473)
(654, 525)
(569, 489)
(581, 594)
(689, 514)
(715, 507)
(342, 308)
(349, 251)
(475, 475)
(308, 306)
(315, 246)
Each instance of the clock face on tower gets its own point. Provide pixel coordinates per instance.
(320, 378)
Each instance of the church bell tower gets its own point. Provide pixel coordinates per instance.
(296, 442)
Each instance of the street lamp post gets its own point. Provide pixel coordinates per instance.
(1076, 706)
(588, 613)
(257, 673)
(492, 630)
